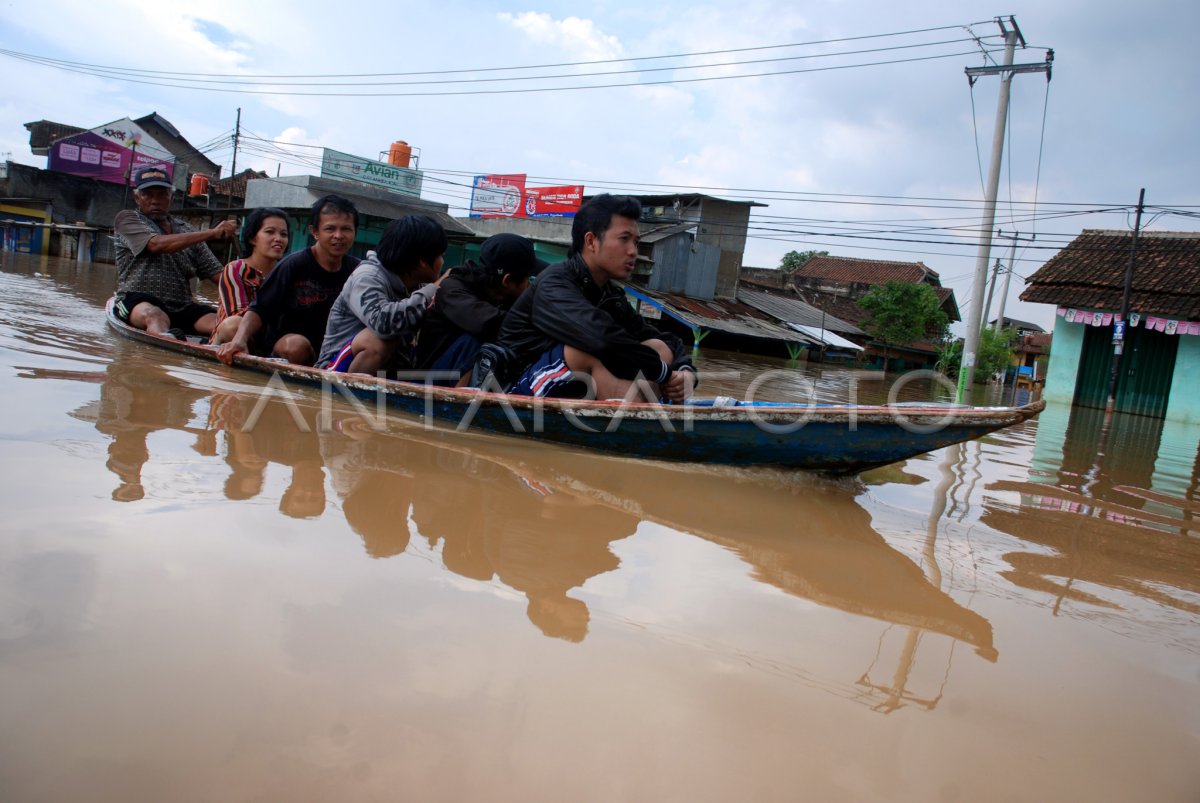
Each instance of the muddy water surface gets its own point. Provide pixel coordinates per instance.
(196, 609)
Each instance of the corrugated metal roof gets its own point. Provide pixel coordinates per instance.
(654, 235)
(722, 316)
(793, 310)
(828, 337)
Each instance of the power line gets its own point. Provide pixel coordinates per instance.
(526, 90)
(459, 71)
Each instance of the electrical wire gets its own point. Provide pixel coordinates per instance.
(526, 90)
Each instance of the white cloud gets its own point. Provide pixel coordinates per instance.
(572, 35)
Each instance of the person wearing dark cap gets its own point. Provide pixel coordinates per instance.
(157, 258)
(472, 303)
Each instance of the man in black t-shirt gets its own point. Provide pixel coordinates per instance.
(288, 316)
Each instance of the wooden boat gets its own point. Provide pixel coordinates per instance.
(836, 438)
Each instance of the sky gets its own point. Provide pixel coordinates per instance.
(852, 156)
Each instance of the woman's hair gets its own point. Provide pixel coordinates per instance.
(254, 223)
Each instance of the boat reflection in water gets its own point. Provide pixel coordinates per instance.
(1115, 502)
(540, 520)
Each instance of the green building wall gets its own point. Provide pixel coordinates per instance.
(1183, 405)
(1063, 370)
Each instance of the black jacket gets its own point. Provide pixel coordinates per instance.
(458, 308)
(564, 305)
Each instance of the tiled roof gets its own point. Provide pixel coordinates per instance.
(1090, 273)
(848, 270)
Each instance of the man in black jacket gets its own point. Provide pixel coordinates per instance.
(574, 320)
(471, 305)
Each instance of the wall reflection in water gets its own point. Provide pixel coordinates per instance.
(1113, 505)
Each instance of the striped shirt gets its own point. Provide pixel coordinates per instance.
(236, 288)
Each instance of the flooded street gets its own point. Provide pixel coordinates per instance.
(191, 611)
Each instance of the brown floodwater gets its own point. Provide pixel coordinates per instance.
(194, 609)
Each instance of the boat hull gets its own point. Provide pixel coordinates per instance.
(841, 439)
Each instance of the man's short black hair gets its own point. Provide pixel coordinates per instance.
(331, 205)
(410, 240)
(254, 224)
(596, 216)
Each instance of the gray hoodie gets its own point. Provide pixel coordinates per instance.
(373, 298)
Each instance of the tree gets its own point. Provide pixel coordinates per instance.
(995, 354)
(794, 259)
(903, 312)
(995, 351)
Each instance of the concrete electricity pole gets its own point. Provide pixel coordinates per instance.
(1006, 71)
(1012, 263)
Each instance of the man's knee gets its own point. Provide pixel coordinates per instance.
(578, 360)
(147, 316)
(227, 329)
(295, 349)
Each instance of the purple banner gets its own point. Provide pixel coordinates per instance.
(92, 156)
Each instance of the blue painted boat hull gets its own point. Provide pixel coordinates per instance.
(841, 439)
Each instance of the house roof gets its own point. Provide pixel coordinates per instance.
(848, 270)
(792, 310)
(1090, 273)
(235, 186)
(664, 232)
(664, 200)
(722, 315)
(1013, 323)
(44, 133)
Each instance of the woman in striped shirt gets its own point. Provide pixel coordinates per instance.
(264, 241)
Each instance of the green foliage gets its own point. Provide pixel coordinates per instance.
(794, 259)
(995, 354)
(903, 312)
(950, 357)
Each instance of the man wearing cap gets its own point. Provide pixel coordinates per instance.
(158, 256)
(472, 303)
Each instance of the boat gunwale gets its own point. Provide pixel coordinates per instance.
(774, 413)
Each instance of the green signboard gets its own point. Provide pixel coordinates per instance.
(335, 164)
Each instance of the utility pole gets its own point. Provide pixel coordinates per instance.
(237, 133)
(1012, 263)
(1119, 327)
(1006, 71)
(987, 306)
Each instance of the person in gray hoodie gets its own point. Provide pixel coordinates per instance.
(376, 316)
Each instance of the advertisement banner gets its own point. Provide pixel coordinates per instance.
(498, 195)
(89, 155)
(404, 180)
(505, 195)
(553, 201)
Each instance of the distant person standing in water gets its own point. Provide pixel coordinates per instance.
(157, 258)
(264, 240)
(288, 316)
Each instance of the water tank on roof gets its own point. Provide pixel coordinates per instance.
(199, 185)
(400, 154)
